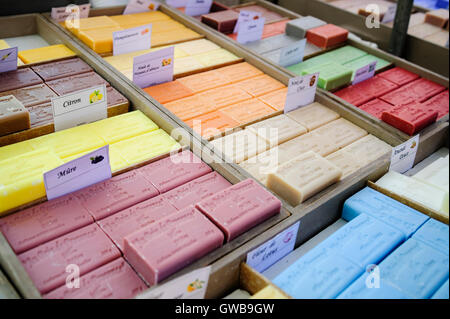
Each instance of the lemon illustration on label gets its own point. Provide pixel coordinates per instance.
(95, 96)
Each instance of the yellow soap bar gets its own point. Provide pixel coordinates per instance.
(4, 45)
(165, 38)
(115, 160)
(99, 40)
(21, 177)
(198, 46)
(186, 64)
(90, 24)
(216, 57)
(269, 292)
(13, 150)
(19, 62)
(52, 52)
(145, 147)
(166, 25)
(140, 18)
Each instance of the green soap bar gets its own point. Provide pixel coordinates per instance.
(332, 75)
(313, 62)
(366, 60)
(345, 54)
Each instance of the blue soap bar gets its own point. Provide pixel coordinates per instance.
(442, 293)
(434, 234)
(385, 209)
(416, 269)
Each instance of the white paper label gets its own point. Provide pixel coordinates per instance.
(87, 170)
(78, 108)
(8, 59)
(301, 91)
(131, 40)
(292, 54)
(138, 6)
(273, 250)
(245, 16)
(250, 31)
(365, 73)
(177, 3)
(198, 7)
(71, 12)
(389, 16)
(153, 68)
(189, 286)
(404, 155)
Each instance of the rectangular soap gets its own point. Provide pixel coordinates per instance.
(61, 69)
(439, 103)
(399, 76)
(365, 60)
(438, 18)
(369, 148)
(211, 124)
(349, 163)
(114, 97)
(40, 115)
(204, 81)
(239, 72)
(443, 292)
(312, 141)
(423, 30)
(260, 85)
(222, 21)
(88, 248)
(224, 96)
(52, 52)
(435, 174)
(343, 131)
(313, 116)
(160, 249)
(195, 47)
(76, 83)
(247, 111)
(299, 27)
(32, 95)
(18, 79)
(264, 163)
(327, 35)
(376, 107)
(275, 99)
(90, 23)
(168, 92)
(14, 117)
(435, 234)
(190, 107)
(331, 75)
(216, 58)
(439, 38)
(417, 91)
(16, 149)
(343, 55)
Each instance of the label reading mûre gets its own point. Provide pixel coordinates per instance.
(198, 7)
(154, 67)
(404, 155)
(301, 91)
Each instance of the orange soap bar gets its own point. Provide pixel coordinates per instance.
(99, 40)
(275, 99)
(211, 124)
(327, 35)
(204, 81)
(247, 111)
(239, 72)
(224, 96)
(190, 107)
(168, 92)
(260, 85)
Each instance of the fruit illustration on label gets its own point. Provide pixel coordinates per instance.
(413, 144)
(97, 159)
(95, 96)
(6, 56)
(145, 31)
(166, 62)
(151, 6)
(197, 284)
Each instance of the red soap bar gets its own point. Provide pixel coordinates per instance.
(88, 248)
(410, 118)
(399, 76)
(327, 35)
(42, 223)
(113, 195)
(163, 248)
(376, 107)
(240, 207)
(417, 91)
(18, 79)
(365, 91)
(196, 190)
(76, 83)
(32, 95)
(126, 222)
(175, 170)
(439, 103)
(115, 280)
(353, 95)
(61, 69)
(114, 97)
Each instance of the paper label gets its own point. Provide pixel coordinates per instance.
(301, 91)
(8, 59)
(87, 170)
(71, 12)
(81, 107)
(365, 73)
(245, 16)
(404, 155)
(250, 31)
(270, 252)
(153, 68)
(177, 3)
(389, 16)
(131, 40)
(138, 6)
(292, 54)
(189, 286)
(198, 7)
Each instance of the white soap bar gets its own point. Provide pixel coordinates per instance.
(341, 132)
(435, 174)
(346, 161)
(368, 149)
(313, 115)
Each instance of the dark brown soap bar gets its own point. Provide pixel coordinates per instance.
(76, 83)
(61, 69)
(223, 21)
(270, 16)
(18, 79)
(40, 115)
(32, 95)
(217, 6)
(13, 116)
(114, 97)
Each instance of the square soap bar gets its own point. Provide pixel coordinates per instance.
(52, 52)
(344, 54)
(376, 107)
(435, 174)
(61, 69)
(439, 38)
(399, 76)
(32, 95)
(99, 40)
(18, 79)
(14, 117)
(369, 148)
(423, 30)
(168, 92)
(365, 60)
(161, 249)
(299, 27)
(76, 83)
(439, 103)
(318, 143)
(222, 21)
(346, 161)
(327, 35)
(417, 91)
(240, 207)
(313, 116)
(247, 111)
(331, 75)
(442, 292)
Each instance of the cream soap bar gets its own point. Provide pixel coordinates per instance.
(313, 116)
(269, 292)
(341, 132)
(435, 174)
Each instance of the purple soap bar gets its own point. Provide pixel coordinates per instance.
(39, 224)
(32, 95)
(41, 114)
(162, 248)
(114, 97)
(88, 248)
(130, 220)
(76, 83)
(118, 193)
(115, 280)
(240, 207)
(61, 69)
(175, 170)
(196, 190)
(18, 79)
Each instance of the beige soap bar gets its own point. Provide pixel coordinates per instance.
(346, 161)
(368, 149)
(320, 144)
(303, 177)
(269, 292)
(263, 164)
(313, 115)
(341, 132)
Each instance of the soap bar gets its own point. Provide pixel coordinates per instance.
(115, 280)
(76, 83)
(40, 115)
(160, 249)
(215, 58)
(52, 52)
(190, 107)
(299, 27)
(174, 170)
(114, 97)
(32, 95)
(222, 21)
(302, 177)
(113, 195)
(18, 79)
(423, 30)
(196, 190)
(211, 124)
(16, 149)
(442, 292)
(195, 47)
(439, 38)
(88, 248)
(247, 111)
(240, 207)
(343, 131)
(269, 292)
(310, 63)
(376, 107)
(263, 164)
(61, 69)
(271, 44)
(369, 148)
(416, 91)
(399, 76)
(312, 141)
(343, 55)
(261, 85)
(365, 60)
(275, 99)
(438, 18)
(173, 36)
(137, 217)
(204, 81)
(347, 162)
(239, 72)
(90, 23)
(439, 103)
(313, 116)
(435, 174)
(168, 92)
(434, 234)
(416, 269)
(224, 96)
(327, 35)
(331, 75)
(184, 66)
(354, 95)
(385, 209)
(14, 117)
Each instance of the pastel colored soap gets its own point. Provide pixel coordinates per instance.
(299, 27)
(312, 141)
(438, 18)
(376, 107)
(313, 116)
(275, 99)
(18, 79)
(52, 52)
(60, 69)
(90, 23)
(32, 95)
(247, 111)
(439, 103)
(239, 72)
(327, 35)
(346, 161)
(269, 292)
(442, 292)
(216, 58)
(423, 30)
(240, 207)
(223, 21)
(261, 85)
(435, 174)
(266, 13)
(88, 247)
(439, 38)
(162, 248)
(365, 60)
(76, 83)
(344, 132)
(434, 234)
(190, 107)
(224, 96)
(14, 117)
(204, 81)
(368, 148)
(399, 76)
(114, 97)
(417, 91)
(168, 92)
(343, 55)
(331, 75)
(211, 124)
(197, 46)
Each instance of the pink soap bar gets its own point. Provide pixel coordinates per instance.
(126, 222)
(417, 91)
(76, 83)
(115, 280)
(164, 247)
(88, 248)
(174, 171)
(240, 207)
(376, 107)
(61, 69)
(18, 79)
(111, 196)
(32, 95)
(439, 103)
(196, 190)
(399, 76)
(114, 97)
